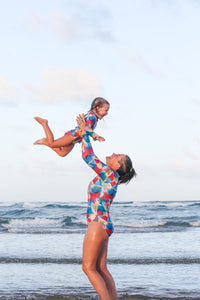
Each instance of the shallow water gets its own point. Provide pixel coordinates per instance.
(166, 280)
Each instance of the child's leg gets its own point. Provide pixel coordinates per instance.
(62, 151)
(46, 128)
(66, 140)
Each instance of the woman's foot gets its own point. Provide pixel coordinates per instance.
(41, 121)
(41, 142)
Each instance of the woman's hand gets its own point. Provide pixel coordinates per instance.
(80, 119)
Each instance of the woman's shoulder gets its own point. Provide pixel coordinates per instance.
(112, 176)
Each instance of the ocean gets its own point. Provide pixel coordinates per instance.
(154, 252)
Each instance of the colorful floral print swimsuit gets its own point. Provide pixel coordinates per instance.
(90, 124)
(102, 188)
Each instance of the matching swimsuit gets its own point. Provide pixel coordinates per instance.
(102, 188)
(90, 124)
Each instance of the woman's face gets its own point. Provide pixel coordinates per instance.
(113, 161)
(102, 111)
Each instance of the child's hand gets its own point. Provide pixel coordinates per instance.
(80, 119)
(100, 139)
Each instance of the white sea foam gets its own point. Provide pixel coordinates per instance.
(142, 224)
(5, 204)
(30, 205)
(165, 203)
(195, 224)
(31, 225)
(156, 203)
(176, 204)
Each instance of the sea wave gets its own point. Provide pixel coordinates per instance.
(75, 205)
(158, 224)
(165, 204)
(62, 225)
(6, 204)
(126, 261)
(195, 224)
(44, 217)
(195, 204)
(32, 205)
(64, 205)
(89, 296)
(177, 223)
(87, 293)
(4, 221)
(142, 224)
(30, 225)
(40, 225)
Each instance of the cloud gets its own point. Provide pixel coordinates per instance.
(179, 167)
(196, 140)
(7, 92)
(62, 26)
(192, 151)
(133, 57)
(191, 154)
(96, 19)
(57, 24)
(176, 168)
(59, 85)
(187, 164)
(34, 166)
(34, 21)
(196, 101)
(69, 27)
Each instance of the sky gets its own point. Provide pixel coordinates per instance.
(143, 56)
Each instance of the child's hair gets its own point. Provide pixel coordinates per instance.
(98, 102)
(126, 171)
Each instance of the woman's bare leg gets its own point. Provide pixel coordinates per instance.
(102, 269)
(66, 140)
(92, 245)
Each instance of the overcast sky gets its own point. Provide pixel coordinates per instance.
(143, 56)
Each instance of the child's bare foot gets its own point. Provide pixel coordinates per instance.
(41, 142)
(41, 121)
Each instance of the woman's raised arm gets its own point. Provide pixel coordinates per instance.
(88, 154)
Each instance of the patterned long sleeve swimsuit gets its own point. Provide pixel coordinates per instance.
(91, 120)
(102, 189)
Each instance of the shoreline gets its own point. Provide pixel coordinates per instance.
(91, 296)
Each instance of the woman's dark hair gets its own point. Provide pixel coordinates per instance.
(126, 171)
(98, 102)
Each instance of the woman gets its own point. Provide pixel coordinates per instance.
(118, 169)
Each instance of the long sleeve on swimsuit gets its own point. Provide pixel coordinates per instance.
(106, 174)
(101, 190)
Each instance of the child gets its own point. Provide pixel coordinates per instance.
(62, 146)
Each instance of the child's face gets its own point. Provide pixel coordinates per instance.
(103, 110)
